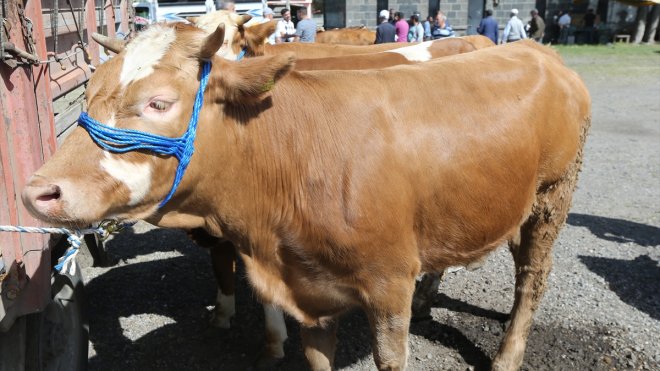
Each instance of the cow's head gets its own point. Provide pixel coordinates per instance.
(241, 32)
(150, 86)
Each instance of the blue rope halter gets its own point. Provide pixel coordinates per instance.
(126, 140)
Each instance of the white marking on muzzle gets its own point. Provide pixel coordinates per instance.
(144, 52)
(135, 176)
(415, 53)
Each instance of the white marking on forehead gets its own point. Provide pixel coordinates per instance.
(415, 53)
(144, 52)
(136, 177)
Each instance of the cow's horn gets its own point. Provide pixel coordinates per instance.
(112, 44)
(213, 42)
(243, 19)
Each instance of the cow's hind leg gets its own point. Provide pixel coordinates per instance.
(276, 334)
(532, 253)
(425, 292)
(223, 260)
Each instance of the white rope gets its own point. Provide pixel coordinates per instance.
(65, 263)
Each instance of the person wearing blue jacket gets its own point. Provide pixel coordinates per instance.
(488, 26)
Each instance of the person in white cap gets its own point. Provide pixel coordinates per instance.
(514, 30)
(268, 16)
(385, 31)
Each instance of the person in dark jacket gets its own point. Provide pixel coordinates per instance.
(488, 26)
(385, 31)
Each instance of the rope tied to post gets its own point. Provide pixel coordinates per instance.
(74, 237)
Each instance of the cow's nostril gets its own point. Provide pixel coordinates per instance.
(52, 193)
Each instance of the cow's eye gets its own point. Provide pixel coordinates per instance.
(159, 105)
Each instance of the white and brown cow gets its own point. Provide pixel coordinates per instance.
(338, 187)
(222, 252)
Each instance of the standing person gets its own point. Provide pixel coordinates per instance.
(225, 5)
(441, 27)
(285, 31)
(589, 22)
(385, 31)
(536, 26)
(427, 28)
(416, 33)
(390, 18)
(268, 16)
(488, 26)
(564, 26)
(401, 27)
(306, 30)
(514, 30)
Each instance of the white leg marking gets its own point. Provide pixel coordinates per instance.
(136, 177)
(276, 331)
(415, 53)
(141, 56)
(225, 308)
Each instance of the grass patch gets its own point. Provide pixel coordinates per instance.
(611, 50)
(613, 60)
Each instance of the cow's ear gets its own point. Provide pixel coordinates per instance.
(212, 42)
(249, 79)
(257, 35)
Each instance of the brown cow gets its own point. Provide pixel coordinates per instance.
(479, 41)
(343, 204)
(346, 36)
(414, 53)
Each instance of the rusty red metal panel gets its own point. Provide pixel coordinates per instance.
(27, 138)
(123, 9)
(109, 10)
(90, 25)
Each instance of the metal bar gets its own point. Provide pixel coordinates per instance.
(90, 24)
(110, 18)
(123, 27)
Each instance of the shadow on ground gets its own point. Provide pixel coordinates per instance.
(174, 293)
(636, 282)
(617, 230)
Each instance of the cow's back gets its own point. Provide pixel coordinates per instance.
(347, 36)
(316, 50)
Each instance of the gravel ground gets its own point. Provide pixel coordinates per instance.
(601, 311)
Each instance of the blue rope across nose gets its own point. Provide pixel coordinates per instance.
(125, 140)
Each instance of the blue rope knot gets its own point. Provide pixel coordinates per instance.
(118, 140)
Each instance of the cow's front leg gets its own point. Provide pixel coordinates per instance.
(389, 317)
(275, 336)
(319, 344)
(223, 260)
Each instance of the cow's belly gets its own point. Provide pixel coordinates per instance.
(309, 295)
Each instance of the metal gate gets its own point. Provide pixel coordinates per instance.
(45, 53)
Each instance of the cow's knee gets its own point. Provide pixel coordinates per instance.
(319, 344)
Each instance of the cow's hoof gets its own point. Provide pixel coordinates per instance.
(218, 321)
(266, 362)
